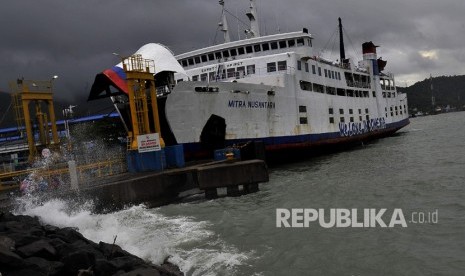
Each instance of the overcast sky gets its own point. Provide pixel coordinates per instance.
(76, 39)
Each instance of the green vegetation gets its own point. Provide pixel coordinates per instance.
(448, 91)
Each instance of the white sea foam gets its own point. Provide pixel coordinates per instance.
(145, 233)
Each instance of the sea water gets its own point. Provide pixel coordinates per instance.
(421, 169)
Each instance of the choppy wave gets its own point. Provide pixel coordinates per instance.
(144, 232)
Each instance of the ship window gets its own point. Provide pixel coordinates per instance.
(291, 43)
(341, 111)
(313, 69)
(271, 67)
(184, 62)
(225, 53)
(197, 60)
(351, 111)
(265, 46)
(300, 42)
(218, 55)
(191, 61)
(250, 69)
(341, 92)
(282, 44)
(326, 73)
(350, 93)
(195, 78)
(211, 57)
(257, 48)
(233, 52)
(342, 120)
(241, 50)
(319, 71)
(303, 120)
(331, 110)
(249, 49)
(305, 85)
(282, 65)
(309, 42)
(332, 74)
(241, 71)
(374, 94)
(231, 72)
(203, 77)
(274, 45)
(351, 119)
(339, 75)
(211, 76)
(204, 58)
(330, 90)
(302, 108)
(318, 88)
(299, 65)
(331, 120)
(306, 67)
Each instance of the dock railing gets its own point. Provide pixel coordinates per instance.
(60, 176)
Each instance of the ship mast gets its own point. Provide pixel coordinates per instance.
(254, 30)
(341, 42)
(224, 24)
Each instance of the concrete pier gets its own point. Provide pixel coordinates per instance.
(156, 189)
(232, 175)
(160, 188)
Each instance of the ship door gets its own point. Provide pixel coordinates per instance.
(213, 133)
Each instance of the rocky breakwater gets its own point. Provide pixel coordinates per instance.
(28, 247)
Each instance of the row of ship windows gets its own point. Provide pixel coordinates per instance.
(240, 71)
(328, 73)
(351, 119)
(308, 86)
(396, 110)
(303, 112)
(233, 52)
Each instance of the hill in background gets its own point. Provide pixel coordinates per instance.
(447, 90)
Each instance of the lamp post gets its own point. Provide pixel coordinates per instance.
(67, 114)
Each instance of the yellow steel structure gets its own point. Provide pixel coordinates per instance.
(139, 76)
(24, 92)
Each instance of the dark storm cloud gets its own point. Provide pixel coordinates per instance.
(75, 39)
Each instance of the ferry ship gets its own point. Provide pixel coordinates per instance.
(273, 89)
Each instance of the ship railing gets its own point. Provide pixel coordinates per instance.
(358, 84)
(60, 175)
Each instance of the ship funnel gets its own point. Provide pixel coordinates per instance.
(369, 48)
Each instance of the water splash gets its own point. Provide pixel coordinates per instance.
(146, 233)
